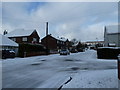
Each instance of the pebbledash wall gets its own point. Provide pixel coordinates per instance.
(112, 35)
(119, 71)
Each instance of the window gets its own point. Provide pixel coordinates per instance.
(111, 44)
(0, 47)
(14, 39)
(24, 39)
(34, 39)
(57, 42)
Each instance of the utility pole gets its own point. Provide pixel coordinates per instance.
(47, 52)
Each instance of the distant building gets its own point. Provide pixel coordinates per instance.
(112, 36)
(7, 44)
(24, 36)
(55, 43)
(94, 42)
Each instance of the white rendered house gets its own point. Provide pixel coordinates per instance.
(7, 44)
(112, 35)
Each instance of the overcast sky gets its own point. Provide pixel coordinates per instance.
(81, 20)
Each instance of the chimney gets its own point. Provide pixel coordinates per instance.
(5, 32)
(105, 31)
(46, 28)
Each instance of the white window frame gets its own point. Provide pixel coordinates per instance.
(24, 39)
(14, 39)
(57, 42)
(35, 39)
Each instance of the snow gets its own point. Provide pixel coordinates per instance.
(61, 39)
(75, 44)
(20, 32)
(94, 79)
(53, 71)
(7, 42)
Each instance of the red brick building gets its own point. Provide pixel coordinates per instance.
(53, 43)
(24, 36)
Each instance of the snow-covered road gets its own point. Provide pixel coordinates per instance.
(52, 71)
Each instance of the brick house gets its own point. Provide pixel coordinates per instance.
(24, 36)
(28, 41)
(55, 43)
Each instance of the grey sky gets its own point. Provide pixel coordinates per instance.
(80, 20)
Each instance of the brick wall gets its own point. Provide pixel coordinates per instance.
(51, 42)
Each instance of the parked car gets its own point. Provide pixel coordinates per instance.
(8, 54)
(73, 51)
(64, 52)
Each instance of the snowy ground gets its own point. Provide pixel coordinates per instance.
(54, 71)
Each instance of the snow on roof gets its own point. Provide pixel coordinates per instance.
(20, 32)
(61, 39)
(5, 41)
(75, 44)
(113, 29)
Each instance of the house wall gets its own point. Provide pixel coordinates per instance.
(55, 44)
(118, 84)
(112, 35)
(29, 38)
(118, 72)
(112, 38)
(34, 35)
(119, 40)
(51, 43)
(61, 44)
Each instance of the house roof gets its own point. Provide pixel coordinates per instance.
(20, 32)
(5, 41)
(58, 38)
(61, 39)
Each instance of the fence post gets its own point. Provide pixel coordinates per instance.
(24, 54)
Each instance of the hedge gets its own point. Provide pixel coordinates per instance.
(29, 48)
(108, 53)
